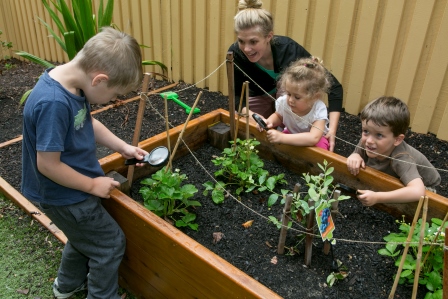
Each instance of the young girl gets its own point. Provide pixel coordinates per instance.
(300, 108)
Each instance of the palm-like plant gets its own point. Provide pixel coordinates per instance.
(77, 26)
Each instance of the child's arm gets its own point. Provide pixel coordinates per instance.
(300, 139)
(105, 137)
(50, 165)
(411, 192)
(354, 162)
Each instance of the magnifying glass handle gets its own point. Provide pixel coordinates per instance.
(134, 161)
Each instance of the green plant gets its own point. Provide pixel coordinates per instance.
(241, 166)
(164, 195)
(341, 274)
(5, 45)
(431, 274)
(77, 26)
(320, 192)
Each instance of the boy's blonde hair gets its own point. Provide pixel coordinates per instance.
(310, 72)
(115, 54)
(250, 15)
(388, 111)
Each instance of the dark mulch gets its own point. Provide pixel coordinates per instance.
(251, 249)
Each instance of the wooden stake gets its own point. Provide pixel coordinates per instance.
(183, 130)
(420, 246)
(406, 248)
(231, 88)
(285, 218)
(436, 238)
(445, 267)
(19, 138)
(309, 234)
(247, 110)
(167, 126)
(239, 114)
(138, 124)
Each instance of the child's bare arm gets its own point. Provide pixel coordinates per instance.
(50, 165)
(354, 163)
(300, 139)
(105, 137)
(410, 193)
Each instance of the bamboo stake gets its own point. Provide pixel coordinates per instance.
(231, 88)
(239, 115)
(445, 263)
(239, 108)
(183, 130)
(436, 238)
(247, 110)
(167, 126)
(20, 137)
(420, 247)
(406, 248)
(138, 124)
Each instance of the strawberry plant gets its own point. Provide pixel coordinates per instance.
(431, 274)
(164, 195)
(243, 168)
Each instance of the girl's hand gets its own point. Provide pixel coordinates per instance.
(274, 136)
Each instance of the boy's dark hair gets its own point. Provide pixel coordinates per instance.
(388, 111)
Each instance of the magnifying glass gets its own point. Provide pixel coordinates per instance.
(348, 189)
(259, 121)
(157, 157)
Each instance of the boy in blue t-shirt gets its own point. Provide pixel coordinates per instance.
(60, 170)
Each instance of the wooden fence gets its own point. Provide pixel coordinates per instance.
(374, 47)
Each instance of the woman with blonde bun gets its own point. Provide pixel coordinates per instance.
(263, 56)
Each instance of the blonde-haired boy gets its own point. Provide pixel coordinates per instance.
(60, 170)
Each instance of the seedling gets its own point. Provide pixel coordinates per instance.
(175, 98)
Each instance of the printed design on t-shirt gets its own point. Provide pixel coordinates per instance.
(80, 118)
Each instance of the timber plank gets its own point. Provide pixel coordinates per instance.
(194, 263)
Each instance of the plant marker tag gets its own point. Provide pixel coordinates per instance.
(324, 222)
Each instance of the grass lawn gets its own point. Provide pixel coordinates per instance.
(30, 256)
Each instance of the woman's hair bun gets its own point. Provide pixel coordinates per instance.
(243, 4)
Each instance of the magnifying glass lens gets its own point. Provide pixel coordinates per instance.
(158, 156)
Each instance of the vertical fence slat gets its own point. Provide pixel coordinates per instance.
(364, 27)
(434, 78)
(373, 47)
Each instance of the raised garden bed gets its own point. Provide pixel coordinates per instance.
(158, 253)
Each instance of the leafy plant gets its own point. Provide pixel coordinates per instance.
(320, 191)
(341, 274)
(241, 166)
(5, 45)
(431, 274)
(164, 195)
(77, 26)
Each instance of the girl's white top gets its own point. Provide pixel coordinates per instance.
(300, 124)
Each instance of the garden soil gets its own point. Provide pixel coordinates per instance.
(359, 230)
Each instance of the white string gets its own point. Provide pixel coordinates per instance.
(302, 229)
(297, 117)
(232, 196)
